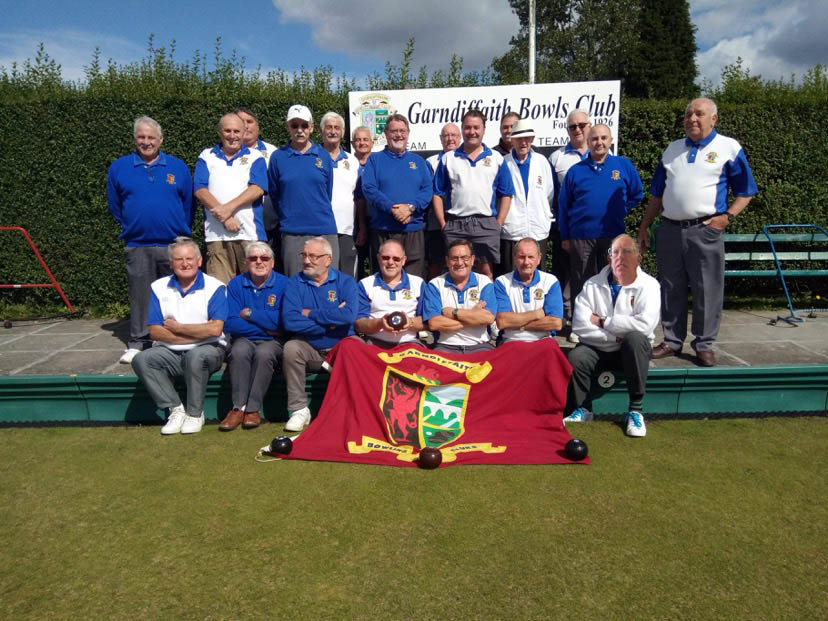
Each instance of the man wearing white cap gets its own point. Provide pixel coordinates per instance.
(531, 213)
(300, 180)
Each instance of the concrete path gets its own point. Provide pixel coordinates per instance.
(78, 346)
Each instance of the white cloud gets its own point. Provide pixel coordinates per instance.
(774, 40)
(72, 49)
(476, 31)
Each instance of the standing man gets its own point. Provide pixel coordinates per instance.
(186, 319)
(615, 316)
(254, 300)
(150, 194)
(530, 214)
(390, 290)
(529, 303)
(347, 201)
(362, 143)
(435, 247)
(230, 181)
(300, 178)
(689, 190)
(397, 186)
(472, 193)
(504, 146)
(460, 304)
(319, 309)
(252, 141)
(596, 196)
(577, 126)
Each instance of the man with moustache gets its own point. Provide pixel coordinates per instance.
(615, 317)
(300, 181)
(530, 214)
(348, 204)
(472, 193)
(396, 184)
(435, 247)
(689, 190)
(150, 194)
(319, 309)
(230, 180)
(390, 290)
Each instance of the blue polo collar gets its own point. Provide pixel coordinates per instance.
(404, 283)
(220, 154)
(486, 152)
(703, 142)
(331, 278)
(313, 149)
(248, 281)
(570, 149)
(472, 282)
(524, 162)
(197, 284)
(535, 279)
(137, 160)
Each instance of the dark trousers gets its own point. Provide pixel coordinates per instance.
(587, 257)
(144, 264)
(588, 363)
(413, 243)
(560, 267)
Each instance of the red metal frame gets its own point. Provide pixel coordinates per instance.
(54, 282)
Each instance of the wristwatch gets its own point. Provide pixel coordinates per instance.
(730, 217)
(454, 314)
(412, 209)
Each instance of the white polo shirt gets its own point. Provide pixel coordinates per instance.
(226, 179)
(345, 177)
(542, 292)
(377, 299)
(471, 186)
(441, 292)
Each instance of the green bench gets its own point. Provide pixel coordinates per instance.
(773, 253)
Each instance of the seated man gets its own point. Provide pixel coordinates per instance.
(615, 316)
(320, 306)
(254, 300)
(460, 304)
(389, 290)
(186, 317)
(529, 301)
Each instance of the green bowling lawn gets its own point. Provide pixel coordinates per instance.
(702, 519)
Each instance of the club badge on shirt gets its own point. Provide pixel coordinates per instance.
(474, 294)
(406, 294)
(318, 163)
(271, 299)
(412, 165)
(243, 160)
(171, 178)
(616, 175)
(538, 293)
(711, 157)
(332, 295)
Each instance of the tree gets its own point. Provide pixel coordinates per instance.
(648, 44)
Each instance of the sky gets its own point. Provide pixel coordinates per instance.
(357, 37)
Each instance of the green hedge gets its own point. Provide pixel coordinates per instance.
(56, 154)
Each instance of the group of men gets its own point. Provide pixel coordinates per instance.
(475, 210)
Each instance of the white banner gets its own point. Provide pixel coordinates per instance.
(427, 110)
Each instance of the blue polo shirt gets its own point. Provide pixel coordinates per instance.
(595, 198)
(328, 322)
(265, 304)
(301, 188)
(153, 203)
(205, 300)
(513, 296)
(389, 179)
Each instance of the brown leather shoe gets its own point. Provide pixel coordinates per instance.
(706, 358)
(663, 351)
(232, 420)
(251, 420)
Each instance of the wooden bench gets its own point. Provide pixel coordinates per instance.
(776, 253)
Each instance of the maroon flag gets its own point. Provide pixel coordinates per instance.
(499, 407)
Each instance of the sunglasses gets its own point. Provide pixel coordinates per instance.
(299, 125)
(575, 126)
(388, 257)
(259, 257)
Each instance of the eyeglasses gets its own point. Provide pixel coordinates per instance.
(388, 257)
(461, 259)
(299, 125)
(313, 257)
(614, 252)
(259, 258)
(575, 126)
(397, 132)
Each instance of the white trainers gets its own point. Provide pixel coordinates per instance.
(580, 415)
(298, 420)
(573, 338)
(128, 355)
(175, 420)
(635, 425)
(193, 424)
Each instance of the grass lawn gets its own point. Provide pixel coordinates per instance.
(702, 519)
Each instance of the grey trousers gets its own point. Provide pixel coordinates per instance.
(587, 363)
(158, 365)
(413, 243)
(251, 365)
(587, 257)
(292, 245)
(691, 256)
(298, 358)
(347, 255)
(144, 264)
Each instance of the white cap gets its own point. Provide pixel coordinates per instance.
(522, 129)
(299, 112)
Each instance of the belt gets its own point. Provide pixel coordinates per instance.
(688, 223)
